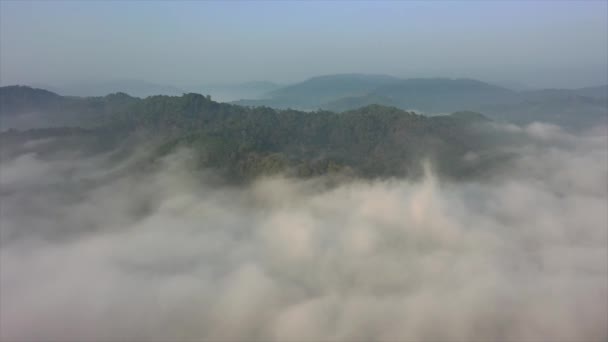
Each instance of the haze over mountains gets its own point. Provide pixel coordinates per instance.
(432, 96)
(220, 92)
(208, 220)
(440, 95)
(247, 142)
(178, 218)
(171, 171)
(372, 140)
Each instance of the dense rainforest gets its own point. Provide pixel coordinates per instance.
(244, 142)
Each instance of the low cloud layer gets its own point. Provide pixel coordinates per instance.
(90, 253)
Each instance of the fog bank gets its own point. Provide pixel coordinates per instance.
(90, 253)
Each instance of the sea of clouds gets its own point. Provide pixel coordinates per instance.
(89, 252)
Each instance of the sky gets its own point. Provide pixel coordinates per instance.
(537, 43)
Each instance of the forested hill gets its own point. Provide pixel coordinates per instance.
(569, 108)
(243, 142)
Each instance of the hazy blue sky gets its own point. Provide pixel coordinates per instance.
(541, 43)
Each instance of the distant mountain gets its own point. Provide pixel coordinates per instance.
(353, 102)
(444, 95)
(561, 107)
(349, 91)
(332, 86)
(513, 85)
(573, 108)
(132, 87)
(230, 92)
(599, 92)
(430, 95)
(316, 91)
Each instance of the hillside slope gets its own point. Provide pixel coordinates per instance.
(241, 142)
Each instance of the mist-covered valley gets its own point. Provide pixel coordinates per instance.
(116, 242)
(179, 218)
(306, 171)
